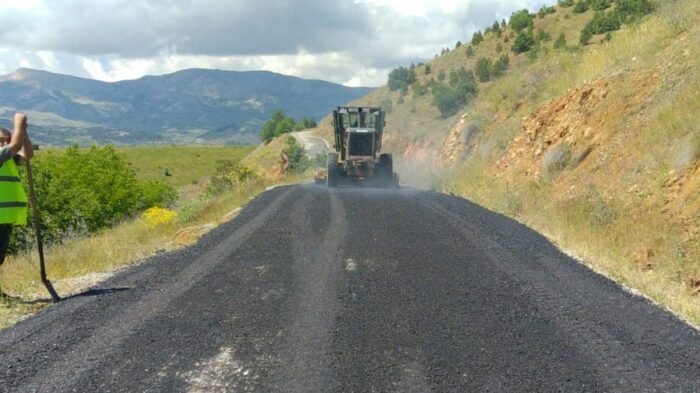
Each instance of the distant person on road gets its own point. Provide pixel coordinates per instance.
(14, 147)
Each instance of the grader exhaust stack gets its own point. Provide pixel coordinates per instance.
(358, 142)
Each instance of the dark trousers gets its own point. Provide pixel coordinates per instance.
(5, 234)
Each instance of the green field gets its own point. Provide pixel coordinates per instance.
(185, 163)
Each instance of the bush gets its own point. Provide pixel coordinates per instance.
(630, 10)
(400, 78)
(544, 11)
(157, 216)
(604, 22)
(469, 52)
(560, 43)
(600, 5)
(520, 20)
(83, 191)
(450, 98)
(523, 43)
(229, 174)
(581, 7)
(427, 69)
(298, 162)
(477, 38)
(500, 66)
(565, 3)
(496, 27)
(585, 37)
(483, 69)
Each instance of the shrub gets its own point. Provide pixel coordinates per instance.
(469, 52)
(600, 5)
(400, 78)
(585, 37)
(450, 98)
(544, 11)
(520, 20)
(601, 23)
(157, 216)
(630, 10)
(477, 38)
(483, 69)
(298, 161)
(229, 174)
(581, 7)
(496, 27)
(83, 191)
(442, 75)
(560, 43)
(500, 66)
(565, 3)
(427, 69)
(523, 42)
(458, 44)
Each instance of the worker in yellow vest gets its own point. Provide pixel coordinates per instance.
(13, 199)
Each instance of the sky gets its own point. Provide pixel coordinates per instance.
(352, 42)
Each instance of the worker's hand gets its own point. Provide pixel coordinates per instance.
(21, 118)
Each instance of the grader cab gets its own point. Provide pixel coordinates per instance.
(358, 142)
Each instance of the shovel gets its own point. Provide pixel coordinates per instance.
(39, 238)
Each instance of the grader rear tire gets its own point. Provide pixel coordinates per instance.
(332, 173)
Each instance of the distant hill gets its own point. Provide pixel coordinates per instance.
(194, 105)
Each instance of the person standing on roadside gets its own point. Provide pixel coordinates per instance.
(13, 199)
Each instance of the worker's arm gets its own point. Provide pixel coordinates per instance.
(19, 137)
(27, 151)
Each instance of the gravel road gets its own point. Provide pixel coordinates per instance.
(355, 290)
(312, 144)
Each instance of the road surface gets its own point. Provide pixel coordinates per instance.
(355, 290)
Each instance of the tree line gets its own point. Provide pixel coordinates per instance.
(279, 124)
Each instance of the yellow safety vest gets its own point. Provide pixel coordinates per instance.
(13, 200)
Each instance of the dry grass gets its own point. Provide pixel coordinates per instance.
(616, 210)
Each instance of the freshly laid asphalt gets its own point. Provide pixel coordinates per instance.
(355, 290)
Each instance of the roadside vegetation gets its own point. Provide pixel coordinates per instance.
(93, 228)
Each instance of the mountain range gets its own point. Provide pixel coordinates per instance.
(189, 106)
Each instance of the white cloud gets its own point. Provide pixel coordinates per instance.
(354, 42)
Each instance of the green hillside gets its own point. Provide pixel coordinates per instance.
(595, 145)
